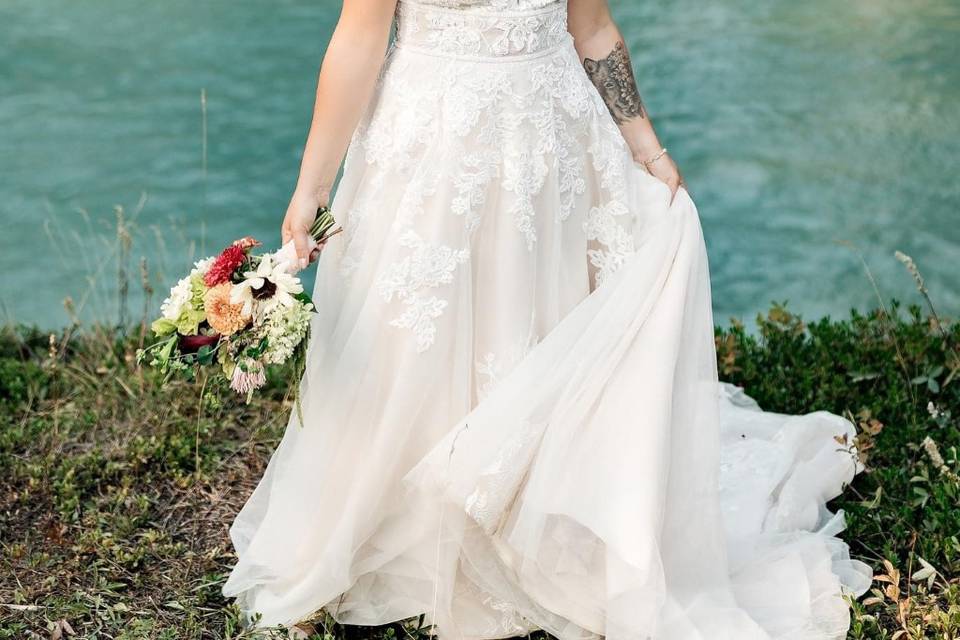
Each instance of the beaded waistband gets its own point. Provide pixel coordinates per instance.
(472, 34)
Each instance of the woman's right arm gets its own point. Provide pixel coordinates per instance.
(347, 79)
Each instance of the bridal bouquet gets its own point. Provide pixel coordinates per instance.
(236, 313)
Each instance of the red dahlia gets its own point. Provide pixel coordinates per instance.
(223, 267)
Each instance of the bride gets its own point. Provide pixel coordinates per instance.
(511, 416)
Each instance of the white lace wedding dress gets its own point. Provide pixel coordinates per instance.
(512, 418)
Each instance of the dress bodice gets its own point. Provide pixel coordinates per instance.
(482, 28)
(506, 5)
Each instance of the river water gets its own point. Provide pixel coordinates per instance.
(801, 127)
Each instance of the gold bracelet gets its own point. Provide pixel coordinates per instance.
(647, 163)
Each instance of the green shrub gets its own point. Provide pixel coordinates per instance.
(894, 374)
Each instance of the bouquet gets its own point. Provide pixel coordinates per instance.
(237, 313)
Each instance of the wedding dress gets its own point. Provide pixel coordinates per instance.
(511, 413)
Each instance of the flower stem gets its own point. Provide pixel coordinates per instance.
(323, 223)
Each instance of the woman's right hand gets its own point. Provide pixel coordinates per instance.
(301, 213)
(348, 76)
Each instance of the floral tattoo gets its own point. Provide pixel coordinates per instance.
(613, 77)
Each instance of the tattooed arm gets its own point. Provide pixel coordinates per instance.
(346, 82)
(607, 63)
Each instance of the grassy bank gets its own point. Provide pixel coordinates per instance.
(116, 495)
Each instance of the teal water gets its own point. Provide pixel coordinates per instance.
(798, 125)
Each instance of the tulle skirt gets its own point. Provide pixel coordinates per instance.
(511, 413)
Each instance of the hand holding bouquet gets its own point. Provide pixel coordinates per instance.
(237, 312)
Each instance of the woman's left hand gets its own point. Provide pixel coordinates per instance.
(665, 170)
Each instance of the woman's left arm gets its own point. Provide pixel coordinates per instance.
(607, 62)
